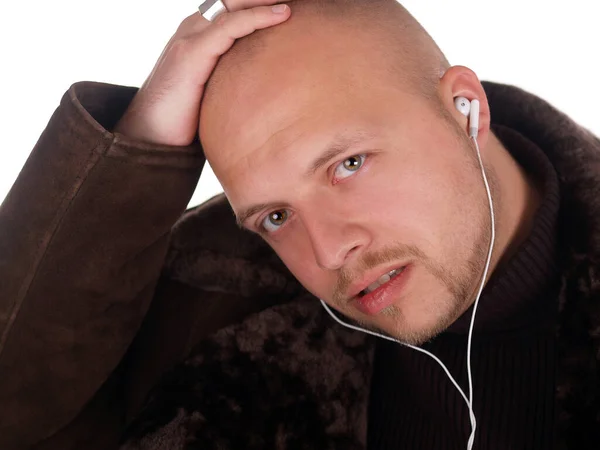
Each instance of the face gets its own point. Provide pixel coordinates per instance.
(369, 196)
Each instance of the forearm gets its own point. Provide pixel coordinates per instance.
(83, 234)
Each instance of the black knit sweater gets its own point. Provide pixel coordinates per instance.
(413, 405)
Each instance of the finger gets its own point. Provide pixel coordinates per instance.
(191, 59)
(236, 5)
(196, 22)
(228, 27)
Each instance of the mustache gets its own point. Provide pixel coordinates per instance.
(369, 261)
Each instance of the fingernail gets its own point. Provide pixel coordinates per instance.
(279, 8)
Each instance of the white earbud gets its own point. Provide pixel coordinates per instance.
(463, 105)
(471, 110)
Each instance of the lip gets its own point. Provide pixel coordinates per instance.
(356, 288)
(384, 296)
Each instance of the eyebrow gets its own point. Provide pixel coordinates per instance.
(339, 144)
(249, 212)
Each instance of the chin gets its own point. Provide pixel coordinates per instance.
(414, 327)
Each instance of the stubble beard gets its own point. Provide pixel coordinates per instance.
(462, 285)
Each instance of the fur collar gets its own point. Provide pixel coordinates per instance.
(288, 377)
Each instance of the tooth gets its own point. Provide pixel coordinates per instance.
(397, 272)
(384, 279)
(372, 286)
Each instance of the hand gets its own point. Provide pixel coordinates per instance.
(166, 109)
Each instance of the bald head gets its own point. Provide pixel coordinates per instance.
(387, 31)
(346, 45)
(327, 133)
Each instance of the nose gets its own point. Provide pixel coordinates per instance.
(335, 241)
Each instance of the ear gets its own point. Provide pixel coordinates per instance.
(460, 81)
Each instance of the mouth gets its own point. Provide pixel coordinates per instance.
(384, 292)
(382, 280)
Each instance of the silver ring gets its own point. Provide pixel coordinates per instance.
(210, 9)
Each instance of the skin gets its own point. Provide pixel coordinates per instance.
(165, 110)
(418, 198)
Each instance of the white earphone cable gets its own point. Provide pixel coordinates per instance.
(485, 272)
(469, 400)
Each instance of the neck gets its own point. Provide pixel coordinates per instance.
(526, 194)
(516, 198)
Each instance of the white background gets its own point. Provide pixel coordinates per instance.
(547, 47)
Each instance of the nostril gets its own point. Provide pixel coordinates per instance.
(352, 251)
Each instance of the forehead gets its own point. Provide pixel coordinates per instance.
(264, 128)
(273, 163)
(275, 135)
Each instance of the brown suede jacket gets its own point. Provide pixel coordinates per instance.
(106, 283)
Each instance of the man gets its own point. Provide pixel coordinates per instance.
(337, 140)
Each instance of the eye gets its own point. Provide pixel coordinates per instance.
(274, 220)
(349, 166)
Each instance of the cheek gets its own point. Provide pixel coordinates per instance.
(426, 205)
